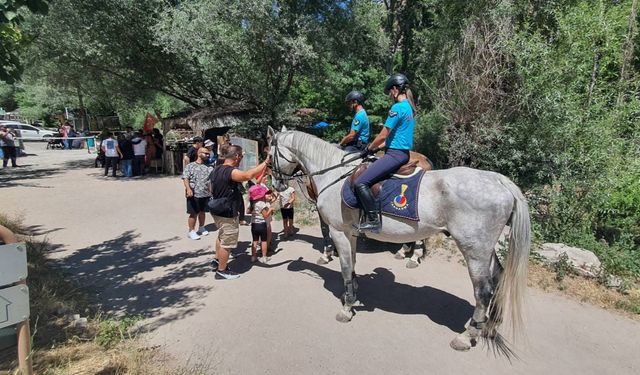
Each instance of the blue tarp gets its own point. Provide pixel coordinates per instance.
(319, 125)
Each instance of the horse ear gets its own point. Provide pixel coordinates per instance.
(284, 128)
(270, 134)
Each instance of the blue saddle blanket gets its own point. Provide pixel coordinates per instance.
(398, 195)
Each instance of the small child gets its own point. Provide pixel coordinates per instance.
(261, 212)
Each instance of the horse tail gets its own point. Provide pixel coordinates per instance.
(510, 291)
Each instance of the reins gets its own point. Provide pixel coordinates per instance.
(298, 174)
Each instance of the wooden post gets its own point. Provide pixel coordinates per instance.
(25, 363)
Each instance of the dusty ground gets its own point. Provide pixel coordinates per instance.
(126, 239)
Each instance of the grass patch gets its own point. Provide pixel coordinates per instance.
(100, 345)
(561, 278)
(586, 290)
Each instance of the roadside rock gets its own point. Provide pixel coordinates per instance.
(584, 262)
(613, 282)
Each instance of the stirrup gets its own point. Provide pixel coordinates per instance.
(367, 225)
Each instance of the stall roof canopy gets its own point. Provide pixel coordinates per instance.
(202, 119)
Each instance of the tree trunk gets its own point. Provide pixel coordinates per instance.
(83, 112)
(627, 53)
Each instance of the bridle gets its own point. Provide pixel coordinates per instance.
(298, 173)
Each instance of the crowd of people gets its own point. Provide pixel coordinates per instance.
(219, 189)
(131, 152)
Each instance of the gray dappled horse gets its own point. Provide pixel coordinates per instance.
(470, 205)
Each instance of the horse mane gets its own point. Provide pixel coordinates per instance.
(319, 150)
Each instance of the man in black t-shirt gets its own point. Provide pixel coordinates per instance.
(225, 179)
(192, 152)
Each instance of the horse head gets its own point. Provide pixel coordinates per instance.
(284, 162)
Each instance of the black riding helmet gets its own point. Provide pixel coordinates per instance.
(355, 95)
(397, 79)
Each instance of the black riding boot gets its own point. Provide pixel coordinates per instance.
(370, 207)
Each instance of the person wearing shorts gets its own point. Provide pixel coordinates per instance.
(195, 178)
(261, 212)
(224, 184)
(287, 198)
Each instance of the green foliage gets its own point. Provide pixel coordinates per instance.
(562, 267)
(11, 37)
(113, 331)
(632, 305)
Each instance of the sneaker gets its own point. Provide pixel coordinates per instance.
(265, 260)
(193, 235)
(215, 264)
(226, 275)
(202, 231)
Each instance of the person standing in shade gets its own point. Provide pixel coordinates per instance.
(225, 179)
(112, 152)
(126, 147)
(195, 178)
(358, 137)
(192, 151)
(139, 153)
(158, 142)
(397, 138)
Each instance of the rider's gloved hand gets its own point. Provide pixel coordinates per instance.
(366, 152)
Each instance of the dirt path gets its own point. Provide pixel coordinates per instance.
(126, 239)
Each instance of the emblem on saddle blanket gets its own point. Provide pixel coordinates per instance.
(398, 195)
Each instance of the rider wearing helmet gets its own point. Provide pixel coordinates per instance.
(397, 138)
(358, 136)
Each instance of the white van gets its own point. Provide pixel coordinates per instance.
(28, 131)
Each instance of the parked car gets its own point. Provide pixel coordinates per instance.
(29, 131)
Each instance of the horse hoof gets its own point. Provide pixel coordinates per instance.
(323, 260)
(461, 343)
(412, 264)
(343, 317)
(399, 255)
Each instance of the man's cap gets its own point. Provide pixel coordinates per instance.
(197, 139)
(208, 143)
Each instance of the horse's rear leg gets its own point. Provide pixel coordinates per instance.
(346, 246)
(485, 272)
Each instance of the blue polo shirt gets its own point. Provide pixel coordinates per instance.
(401, 123)
(360, 125)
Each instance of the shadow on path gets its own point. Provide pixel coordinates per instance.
(113, 269)
(24, 177)
(364, 245)
(379, 290)
(40, 230)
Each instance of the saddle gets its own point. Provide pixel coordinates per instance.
(416, 160)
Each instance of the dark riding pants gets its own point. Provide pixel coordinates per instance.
(355, 146)
(383, 167)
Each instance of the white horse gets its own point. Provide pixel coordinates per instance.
(470, 205)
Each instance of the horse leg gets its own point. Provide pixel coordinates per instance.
(484, 270)
(404, 251)
(346, 246)
(418, 254)
(327, 248)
